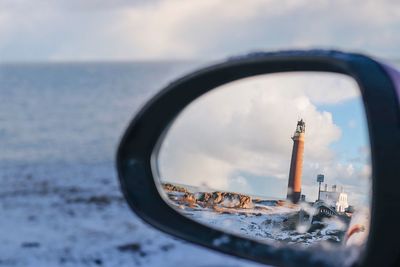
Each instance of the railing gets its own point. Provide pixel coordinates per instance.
(324, 210)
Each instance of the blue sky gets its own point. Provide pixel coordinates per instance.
(349, 116)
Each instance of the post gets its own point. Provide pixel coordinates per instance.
(320, 179)
(319, 191)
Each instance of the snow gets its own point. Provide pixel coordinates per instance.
(267, 221)
(276, 223)
(75, 215)
(254, 226)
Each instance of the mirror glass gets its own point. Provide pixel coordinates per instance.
(281, 158)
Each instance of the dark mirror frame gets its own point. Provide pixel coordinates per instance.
(380, 88)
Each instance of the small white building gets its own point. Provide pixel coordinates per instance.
(334, 198)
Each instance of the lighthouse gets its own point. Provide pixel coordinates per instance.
(296, 163)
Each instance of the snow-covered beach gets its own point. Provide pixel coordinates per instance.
(64, 215)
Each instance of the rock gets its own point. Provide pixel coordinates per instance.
(207, 199)
(189, 199)
(203, 196)
(225, 199)
(170, 187)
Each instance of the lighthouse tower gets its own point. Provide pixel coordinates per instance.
(296, 163)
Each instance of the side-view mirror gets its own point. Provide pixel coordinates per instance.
(288, 159)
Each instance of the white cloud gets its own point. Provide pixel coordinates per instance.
(245, 126)
(84, 30)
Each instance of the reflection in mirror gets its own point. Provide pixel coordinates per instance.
(281, 157)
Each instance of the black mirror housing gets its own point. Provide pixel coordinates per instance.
(380, 89)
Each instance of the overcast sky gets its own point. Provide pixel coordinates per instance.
(69, 30)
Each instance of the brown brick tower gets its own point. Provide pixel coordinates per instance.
(296, 164)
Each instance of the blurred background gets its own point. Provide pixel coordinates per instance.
(72, 76)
